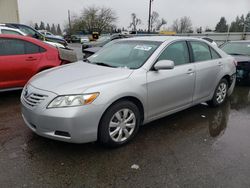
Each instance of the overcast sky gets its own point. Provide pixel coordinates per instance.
(202, 12)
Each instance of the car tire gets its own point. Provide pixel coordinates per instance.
(119, 124)
(220, 94)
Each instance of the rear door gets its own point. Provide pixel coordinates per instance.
(18, 62)
(173, 89)
(208, 66)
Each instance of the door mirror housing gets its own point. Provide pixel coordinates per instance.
(164, 65)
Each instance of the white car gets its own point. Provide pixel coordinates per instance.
(47, 33)
(9, 30)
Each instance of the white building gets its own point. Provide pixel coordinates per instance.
(9, 11)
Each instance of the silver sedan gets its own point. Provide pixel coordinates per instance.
(128, 83)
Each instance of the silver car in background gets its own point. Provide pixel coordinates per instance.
(128, 83)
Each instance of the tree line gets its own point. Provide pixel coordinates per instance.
(240, 24)
(54, 29)
(103, 20)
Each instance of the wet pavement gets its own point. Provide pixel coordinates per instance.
(198, 147)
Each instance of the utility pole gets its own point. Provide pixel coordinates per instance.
(149, 17)
(69, 22)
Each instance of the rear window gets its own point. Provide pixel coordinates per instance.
(237, 48)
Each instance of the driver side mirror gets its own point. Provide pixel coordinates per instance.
(164, 65)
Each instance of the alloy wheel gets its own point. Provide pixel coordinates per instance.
(221, 92)
(122, 125)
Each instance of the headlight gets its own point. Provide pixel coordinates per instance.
(72, 100)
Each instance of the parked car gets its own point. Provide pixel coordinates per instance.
(128, 83)
(94, 47)
(36, 34)
(12, 31)
(22, 57)
(49, 34)
(102, 41)
(9, 30)
(240, 50)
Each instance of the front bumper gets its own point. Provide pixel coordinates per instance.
(72, 124)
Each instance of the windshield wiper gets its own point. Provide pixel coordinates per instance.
(86, 60)
(102, 64)
(238, 54)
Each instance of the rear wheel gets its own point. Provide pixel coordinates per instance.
(119, 124)
(220, 93)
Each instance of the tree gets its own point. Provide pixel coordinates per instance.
(222, 25)
(53, 29)
(153, 20)
(175, 26)
(48, 27)
(42, 26)
(238, 24)
(184, 25)
(58, 30)
(98, 19)
(247, 22)
(160, 24)
(135, 22)
(36, 26)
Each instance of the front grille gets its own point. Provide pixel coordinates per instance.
(34, 99)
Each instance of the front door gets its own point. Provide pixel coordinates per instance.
(170, 90)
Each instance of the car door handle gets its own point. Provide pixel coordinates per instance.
(31, 59)
(190, 71)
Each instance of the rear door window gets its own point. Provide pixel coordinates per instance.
(18, 47)
(176, 52)
(11, 47)
(201, 51)
(214, 54)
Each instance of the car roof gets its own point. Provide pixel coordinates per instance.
(161, 38)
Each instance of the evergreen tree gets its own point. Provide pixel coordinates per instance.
(36, 26)
(247, 22)
(53, 29)
(42, 26)
(58, 30)
(48, 27)
(222, 25)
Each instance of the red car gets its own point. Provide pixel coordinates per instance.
(22, 57)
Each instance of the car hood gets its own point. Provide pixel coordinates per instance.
(241, 58)
(77, 77)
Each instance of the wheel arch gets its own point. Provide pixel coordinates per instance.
(133, 99)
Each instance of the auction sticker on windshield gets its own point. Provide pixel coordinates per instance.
(143, 47)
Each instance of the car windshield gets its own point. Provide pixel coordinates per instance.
(129, 54)
(237, 48)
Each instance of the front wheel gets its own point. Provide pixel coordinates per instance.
(119, 124)
(220, 93)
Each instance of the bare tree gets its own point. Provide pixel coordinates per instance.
(160, 24)
(154, 19)
(95, 19)
(135, 22)
(175, 26)
(184, 25)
